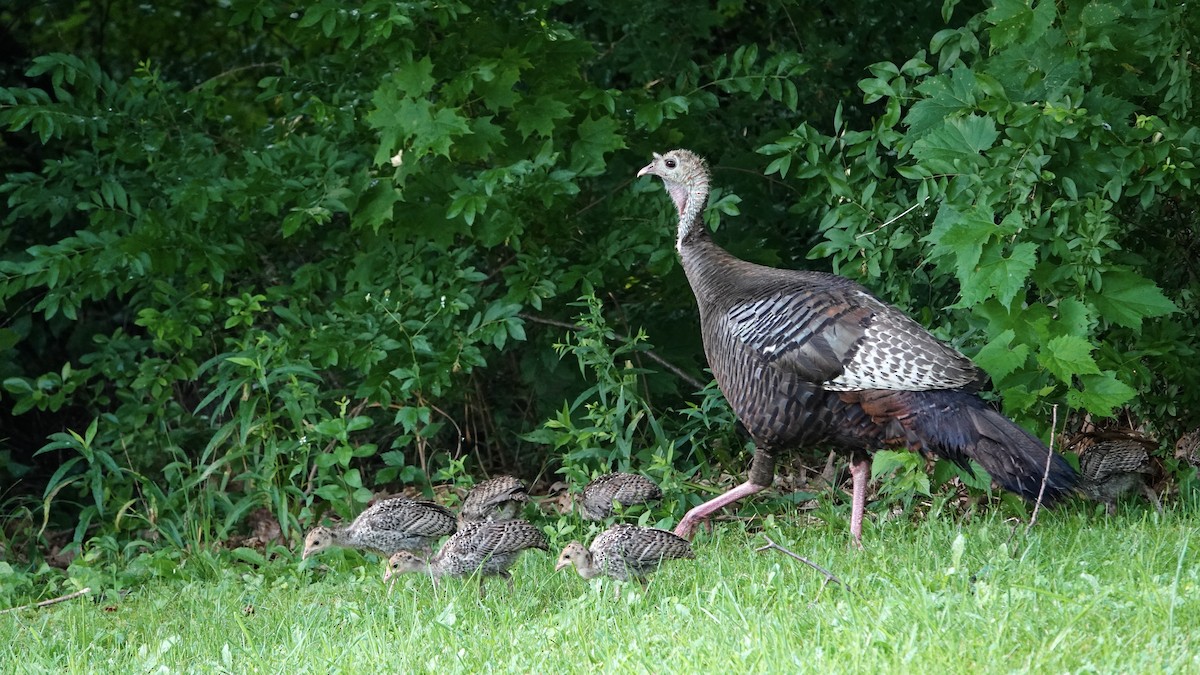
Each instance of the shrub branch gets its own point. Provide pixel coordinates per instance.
(47, 603)
(829, 576)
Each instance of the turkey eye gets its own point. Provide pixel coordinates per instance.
(670, 163)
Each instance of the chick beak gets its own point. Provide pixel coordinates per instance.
(563, 562)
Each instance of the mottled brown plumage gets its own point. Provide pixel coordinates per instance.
(625, 489)
(500, 498)
(388, 526)
(488, 548)
(1187, 448)
(1110, 469)
(807, 358)
(625, 552)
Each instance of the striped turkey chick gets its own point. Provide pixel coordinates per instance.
(486, 548)
(1111, 469)
(625, 489)
(388, 526)
(499, 498)
(625, 552)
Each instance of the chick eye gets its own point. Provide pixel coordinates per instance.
(670, 163)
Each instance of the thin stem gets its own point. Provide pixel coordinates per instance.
(889, 221)
(1046, 475)
(51, 601)
(829, 576)
(679, 372)
(234, 71)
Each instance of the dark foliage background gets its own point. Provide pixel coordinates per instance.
(259, 255)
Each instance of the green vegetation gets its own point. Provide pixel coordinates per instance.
(1079, 593)
(261, 259)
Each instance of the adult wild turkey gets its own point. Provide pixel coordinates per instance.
(807, 358)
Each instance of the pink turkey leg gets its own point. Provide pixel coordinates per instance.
(860, 470)
(702, 512)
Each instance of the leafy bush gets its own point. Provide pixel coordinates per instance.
(296, 256)
(1027, 183)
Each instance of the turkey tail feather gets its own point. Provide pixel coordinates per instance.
(959, 426)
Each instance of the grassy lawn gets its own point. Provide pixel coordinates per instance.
(1081, 593)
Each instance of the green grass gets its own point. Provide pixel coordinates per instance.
(1081, 593)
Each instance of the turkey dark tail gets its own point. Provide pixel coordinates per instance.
(960, 427)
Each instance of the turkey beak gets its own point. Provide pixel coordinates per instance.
(562, 562)
(648, 170)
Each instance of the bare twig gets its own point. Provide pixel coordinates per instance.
(1046, 475)
(597, 200)
(891, 220)
(679, 372)
(47, 603)
(443, 413)
(829, 576)
(234, 71)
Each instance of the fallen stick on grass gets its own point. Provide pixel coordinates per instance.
(1046, 475)
(47, 603)
(829, 576)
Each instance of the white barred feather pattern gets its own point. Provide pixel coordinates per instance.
(845, 339)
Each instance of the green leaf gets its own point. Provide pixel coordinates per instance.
(1126, 298)
(1096, 14)
(1018, 398)
(1015, 22)
(885, 462)
(415, 78)
(481, 142)
(499, 92)
(958, 141)
(596, 137)
(331, 492)
(945, 97)
(958, 238)
(415, 123)
(948, 9)
(8, 337)
(407, 417)
(999, 359)
(998, 276)
(375, 207)
(312, 15)
(18, 385)
(437, 137)
(1068, 356)
(333, 428)
(1074, 316)
(1101, 393)
(248, 555)
(538, 116)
